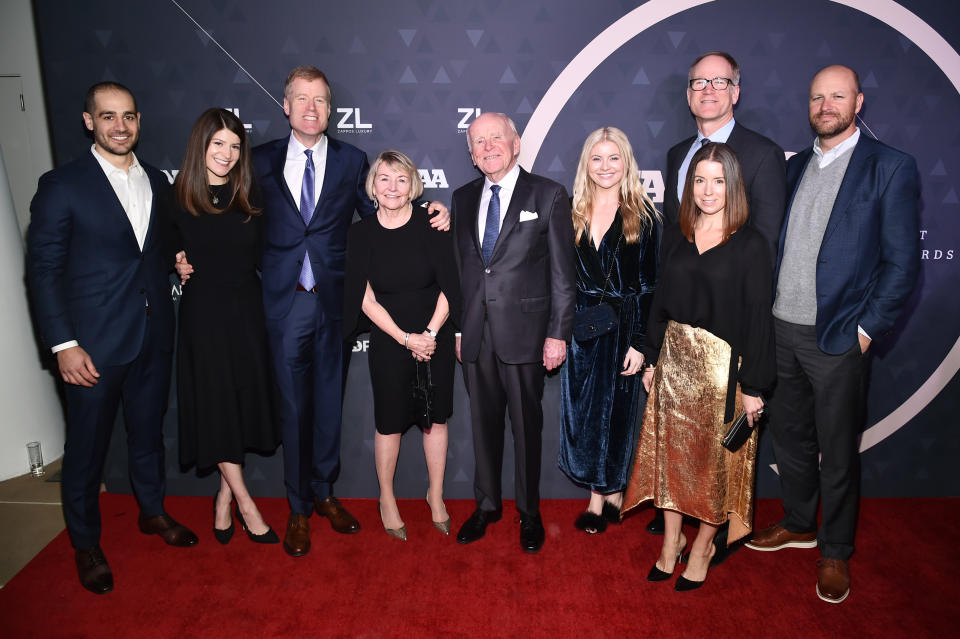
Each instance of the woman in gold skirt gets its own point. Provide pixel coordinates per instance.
(710, 348)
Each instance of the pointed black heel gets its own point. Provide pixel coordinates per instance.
(683, 584)
(220, 534)
(656, 574)
(268, 537)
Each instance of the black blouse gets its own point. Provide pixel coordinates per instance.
(728, 290)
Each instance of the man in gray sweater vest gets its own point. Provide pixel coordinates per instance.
(848, 258)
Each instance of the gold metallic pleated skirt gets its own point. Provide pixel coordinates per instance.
(680, 463)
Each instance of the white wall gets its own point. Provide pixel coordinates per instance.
(29, 408)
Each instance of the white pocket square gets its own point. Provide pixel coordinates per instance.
(526, 216)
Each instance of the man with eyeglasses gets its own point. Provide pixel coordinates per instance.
(713, 88)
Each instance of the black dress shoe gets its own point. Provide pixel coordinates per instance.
(164, 525)
(223, 535)
(268, 537)
(476, 527)
(590, 523)
(93, 570)
(655, 527)
(683, 584)
(531, 533)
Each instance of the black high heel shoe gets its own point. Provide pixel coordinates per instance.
(611, 513)
(268, 537)
(220, 534)
(683, 584)
(656, 574)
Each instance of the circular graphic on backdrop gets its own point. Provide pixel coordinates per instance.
(655, 11)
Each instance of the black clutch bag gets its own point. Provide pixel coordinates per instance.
(594, 321)
(739, 433)
(423, 393)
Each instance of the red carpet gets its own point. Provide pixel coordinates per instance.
(369, 585)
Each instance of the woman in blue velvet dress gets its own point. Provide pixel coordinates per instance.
(617, 235)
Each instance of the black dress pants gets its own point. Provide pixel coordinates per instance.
(816, 415)
(496, 388)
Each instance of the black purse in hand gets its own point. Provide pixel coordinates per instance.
(593, 321)
(740, 432)
(424, 395)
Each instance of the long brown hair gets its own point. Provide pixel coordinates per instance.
(193, 187)
(735, 208)
(636, 208)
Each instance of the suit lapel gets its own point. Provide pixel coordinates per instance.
(277, 163)
(332, 172)
(474, 198)
(110, 203)
(852, 178)
(521, 192)
(155, 185)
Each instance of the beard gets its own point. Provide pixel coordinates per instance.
(105, 142)
(841, 123)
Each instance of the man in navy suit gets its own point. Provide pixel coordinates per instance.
(100, 288)
(848, 259)
(311, 185)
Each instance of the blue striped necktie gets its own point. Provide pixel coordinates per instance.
(307, 204)
(492, 228)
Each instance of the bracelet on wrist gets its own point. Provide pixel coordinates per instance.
(406, 340)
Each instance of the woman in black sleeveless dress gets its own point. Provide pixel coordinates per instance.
(401, 274)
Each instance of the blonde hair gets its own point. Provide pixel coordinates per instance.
(400, 162)
(636, 208)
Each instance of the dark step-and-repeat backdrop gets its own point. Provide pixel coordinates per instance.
(412, 74)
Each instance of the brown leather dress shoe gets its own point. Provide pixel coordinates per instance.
(172, 532)
(297, 540)
(833, 579)
(93, 570)
(341, 520)
(777, 538)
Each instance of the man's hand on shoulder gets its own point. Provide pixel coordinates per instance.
(76, 367)
(439, 216)
(554, 353)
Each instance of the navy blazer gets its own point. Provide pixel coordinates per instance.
(89, 279)
(528, 290)
(870, 254)
(763, 166)
(287, 237)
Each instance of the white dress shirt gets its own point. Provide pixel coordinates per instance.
(507, 185)
(826, 157)
(720, 135)
(296, 164)
(132, 187)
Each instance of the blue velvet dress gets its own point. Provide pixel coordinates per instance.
(600, 408)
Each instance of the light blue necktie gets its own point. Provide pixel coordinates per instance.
(492, 229)
(307, 280)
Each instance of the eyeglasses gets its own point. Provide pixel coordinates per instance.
(699, 84)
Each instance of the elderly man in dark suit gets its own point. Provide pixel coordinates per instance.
(849, 258)
(101, 293)
(514, 241)
(713, 88)
(311, 185)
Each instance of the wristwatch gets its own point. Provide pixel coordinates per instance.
(432, 333)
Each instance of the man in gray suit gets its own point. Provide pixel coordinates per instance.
(515, 250)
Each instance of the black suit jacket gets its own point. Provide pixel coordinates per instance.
(89, 279)
(528, 290)
(764, 177)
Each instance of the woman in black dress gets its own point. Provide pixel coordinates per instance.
(710, 350)
(401, 274)
(617, 233)
(225, 388)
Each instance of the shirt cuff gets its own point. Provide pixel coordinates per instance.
(64, 346)
(863, 332)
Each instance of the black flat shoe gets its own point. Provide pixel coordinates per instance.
(683, 584)
(268, 537)
(220, 534)
(611, 513)
(590, 523)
